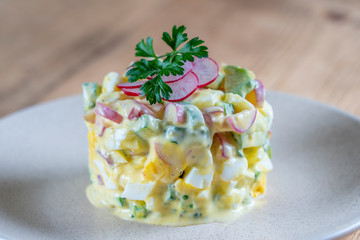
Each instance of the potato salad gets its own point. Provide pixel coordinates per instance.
(197, 155)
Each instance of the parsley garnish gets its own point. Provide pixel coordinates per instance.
(163, 65)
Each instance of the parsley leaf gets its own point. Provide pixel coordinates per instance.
(145, 49)
(178, 37)
(155, 66)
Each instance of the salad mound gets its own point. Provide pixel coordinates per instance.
(196, 155)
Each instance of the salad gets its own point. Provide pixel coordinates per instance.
(177, 140)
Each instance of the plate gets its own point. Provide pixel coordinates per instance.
(313, 191)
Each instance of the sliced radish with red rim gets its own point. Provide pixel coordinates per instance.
(183, 87)
(136, 84)
(132, 91)
(242, 121)
(206, 70)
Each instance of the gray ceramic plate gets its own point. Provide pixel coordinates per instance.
(313, 192)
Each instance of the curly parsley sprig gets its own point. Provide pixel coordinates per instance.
(163, 65)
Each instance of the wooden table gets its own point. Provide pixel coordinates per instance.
(303, 47)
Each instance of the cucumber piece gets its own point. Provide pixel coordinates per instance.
(138, 210)
(146, 126)
(267, 148)
(238, 80)
(175, 134)
(171, 195)
(122, 202)
(90, 93)
(194, 116)
(251, 139)
(228, 109)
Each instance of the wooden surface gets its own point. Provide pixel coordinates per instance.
(304, 47)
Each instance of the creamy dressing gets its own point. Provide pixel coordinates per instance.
(177, 168)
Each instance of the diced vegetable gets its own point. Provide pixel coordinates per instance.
(214, 109)
(108, 113)
(250, 139)
(242, 121)
(122, 202)
(175, 134)
(171, 195)
(139, 210)
(90, 92)
(228, 109)
(146, 126)
(238, 80)
(174, 113)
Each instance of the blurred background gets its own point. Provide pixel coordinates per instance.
(303, 47)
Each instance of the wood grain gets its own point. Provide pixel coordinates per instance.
(303, 47)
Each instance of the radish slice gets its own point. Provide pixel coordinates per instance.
(132, 91)
(107, 159)
(136, 84)
(144, 109)
(242, 121)
(214, 109)
(139, 110)
(208, 119)
(159, 152)
(108, 113)
(134, 113)
(183, 87)
(260, 94)
(206, 70)
(100, 180)
(225, 145)
(188, 66)
(174, 113)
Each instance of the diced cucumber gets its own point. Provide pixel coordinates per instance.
(175, 134)
(139, 210)
(146, 126)
(228, 109)
(251, 139)
(238, 80)
(122, 202)
(171, 194)
(267, 148)
(194, 116)
(90, 92)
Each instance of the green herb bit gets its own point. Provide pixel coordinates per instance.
(185, 197)
(171, 193)
(140, 211)
(122, 201)
(257, 174)
(191, 205)
(156, 66)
